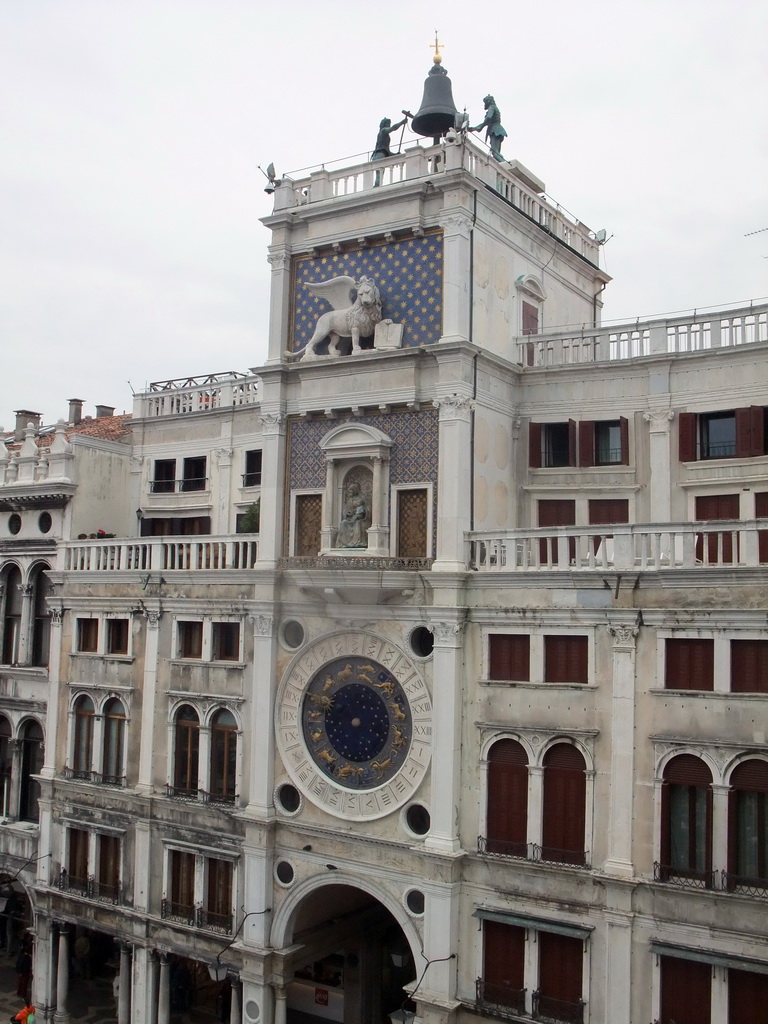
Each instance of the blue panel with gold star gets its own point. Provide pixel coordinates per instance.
(409, 275)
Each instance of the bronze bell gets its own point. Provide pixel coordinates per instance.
(437, 112)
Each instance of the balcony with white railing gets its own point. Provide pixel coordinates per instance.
(642, 547)
(205, 393)
(516, 185)
(146, 554)
(697, 332)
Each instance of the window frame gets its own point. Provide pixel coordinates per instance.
(253, 467)
(205, 627)
(537, 644)
(196, 860)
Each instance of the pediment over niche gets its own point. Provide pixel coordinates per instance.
(355, 440)
(530, 285)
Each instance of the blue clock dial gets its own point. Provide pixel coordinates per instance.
(356, 722)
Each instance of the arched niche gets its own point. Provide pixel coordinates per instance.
(355, 518)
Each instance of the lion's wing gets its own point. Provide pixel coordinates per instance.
(339, 291)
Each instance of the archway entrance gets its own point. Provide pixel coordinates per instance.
(349, 960)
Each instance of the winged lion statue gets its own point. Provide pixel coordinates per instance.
(356, 311)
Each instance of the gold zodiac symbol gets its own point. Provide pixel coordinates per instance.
(326, 756)
(346, 770)
(379, 767)
(321, 700)
(386, 687)
(396, 712)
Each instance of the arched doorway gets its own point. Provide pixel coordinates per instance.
(350, 960)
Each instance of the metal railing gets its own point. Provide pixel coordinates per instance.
(197, 395)
(196, 916)
(559, 1011)
(715, 881)
(97, 778)
(91, 888)
(187, 483)
(499, 999)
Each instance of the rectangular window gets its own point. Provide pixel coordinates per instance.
(109, 867)
(252, 474)
(77, 865)
(218, 896)
(689, 664)
(723, 435)
(747, 996)
(88, 636)
(194, 478)
(749, 666)
(117, 636)
(309, 516)
(566, 659)
(557, 445)
(608, 510)
(182, 882)
(717, 547)
(686, 991)
(761, 511)
(226, 641)
(509, 657)
(561, 959)
(412, 510)
(165, 476)
(556, 512)
(503, 981)
(190, 639)
(717, 435)
(604, 443)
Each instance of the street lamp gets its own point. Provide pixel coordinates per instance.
(217, 970)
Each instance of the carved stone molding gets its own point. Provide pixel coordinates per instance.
(263, 625)
(659, 419)
(223, 456)
(26, 589)
(272, 422)
(57, 615)
(279, 260)
(153, 617)
(453, 407)
(137, 463)
(456, 224)
(447, 634)
(624, 636)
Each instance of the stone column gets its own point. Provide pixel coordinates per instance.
(235, 1014)
(659, 455)
(279, 295)
(204, 759)
(535, 804)
(27, 591)
(14, 795)
(61, 1016)
(327, 525)
(446, 736)
(222, 498)
(719, 1003)
(720, 797)
(164, 992)
(148, 714)
(621, 805)
(456, 271)
(151, 994)
(142, 988)
(618, 967)
(124, 996)
(264, 668)
(52, 721)
(281, 1004)
(272, 489)
(453, 485)
(379, 532)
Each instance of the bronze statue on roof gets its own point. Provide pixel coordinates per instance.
(494, 133)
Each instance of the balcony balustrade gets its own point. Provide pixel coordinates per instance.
(161, 553)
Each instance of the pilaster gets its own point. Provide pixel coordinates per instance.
(148, 708)
(621, 809)
(273, 426)
(453, 487)
(264, 668)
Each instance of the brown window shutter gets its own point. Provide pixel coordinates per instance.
(624, 433)
(560, 971)
(717, 506)
(503, 956)
(564, 810)
(686, 991)
(689, 664)
(749, 666)
(586, 443)
(687, 436)
(507, 813)
(750, 432)
(534, 445)
(608, 510)
(571, 442)
(747, 996)
(509, 657)
(566, 659)
(557, 512)
(530, 318)
(687, 770)
(751, 775)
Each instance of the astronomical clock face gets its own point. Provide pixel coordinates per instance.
(355, 726)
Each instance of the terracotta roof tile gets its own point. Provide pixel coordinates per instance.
(106, 428)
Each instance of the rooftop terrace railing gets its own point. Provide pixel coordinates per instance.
(197, 394)
(647, 547)
(427, 161)
(696, 332)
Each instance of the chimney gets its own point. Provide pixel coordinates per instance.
(104, 410)
(75, 410)
(23, 417)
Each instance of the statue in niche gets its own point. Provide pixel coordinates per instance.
(356, 311)
(356, 514)
(494, 132)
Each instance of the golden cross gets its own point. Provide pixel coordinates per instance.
(438, 59)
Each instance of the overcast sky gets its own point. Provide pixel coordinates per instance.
(132, 130)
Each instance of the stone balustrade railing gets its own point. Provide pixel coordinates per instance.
(647, 547)
(162, 553)
(197, 398)
(671, 336)
(425, 161)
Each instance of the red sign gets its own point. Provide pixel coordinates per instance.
(321, 996)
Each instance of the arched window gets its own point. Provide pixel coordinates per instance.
(186, 752)
(223, 756)
(41, 630)
(748, 825)
(6, 764)
(507, 814)
(12, 617)
(82, 750)
(113, 761)
(565, 801)
(686, 821)
(32, 751)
